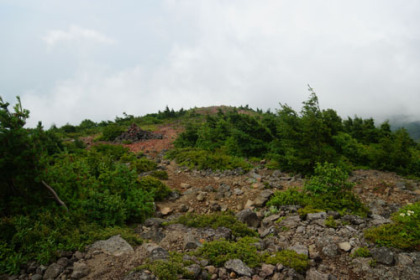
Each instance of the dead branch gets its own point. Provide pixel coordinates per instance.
(59, 201)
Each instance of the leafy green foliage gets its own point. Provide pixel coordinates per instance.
(203, 159)
(220, 251)
(288, 197)
(296, 141)
(168, 269)
(216, 220)
(289, 258)
(328, 179)
(327, 190)
(404, 233)
(110, 132)
(361, 252)
(156, 188)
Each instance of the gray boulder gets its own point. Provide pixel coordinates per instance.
(383, 255)
(53, 271)
(80, 269)
(237, 266)
(115, 246)
(248, 217)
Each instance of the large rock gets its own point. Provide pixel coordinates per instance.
(80, 269)
(115, 246)
(140, 275)
(263, 197)
(312, 274)
(156, 252)
(237, 266)
(383, 255)
(300, 249)
(53, 271)
(248, 217)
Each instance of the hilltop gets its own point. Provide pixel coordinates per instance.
(211, 193)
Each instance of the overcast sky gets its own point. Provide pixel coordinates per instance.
(77, 59)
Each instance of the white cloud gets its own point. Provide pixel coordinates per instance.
(75, 34)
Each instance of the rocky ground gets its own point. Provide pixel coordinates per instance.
(329, 249)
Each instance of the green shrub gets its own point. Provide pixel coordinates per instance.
(330, 222)
(328, 179)
(143, 165)
(220, 251)
(168, 269)
(105, 208)
(288, 197)
(156, 188)
(361, 252)
(203, 159)
(160, 174)
(307, 210)
(403, 233)
(110, 132)
(216, 220)
(289, 258)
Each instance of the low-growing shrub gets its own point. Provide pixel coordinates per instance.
(220, 251)
(160, 174)
(330, 222)
(155, 187)
(168, 269)
(202, 159)
(403, 233)
(289, 258)
(361, 252)
(288, 197)
(216, 220)
(110, 132)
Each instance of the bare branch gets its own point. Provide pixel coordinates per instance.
(59, 201)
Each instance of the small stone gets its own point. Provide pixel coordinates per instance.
(345, 246)
(313, 274)
(115, 246)
(316, 216)
(78, 255)
(211, 269)
(185, 186)
(249, 204)
(166, 211)
(183, 208)
(36, 277)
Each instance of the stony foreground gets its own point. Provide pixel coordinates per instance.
(329, 249)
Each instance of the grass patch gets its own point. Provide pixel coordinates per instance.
(289, 258)
(403, 233)
(216, 220)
